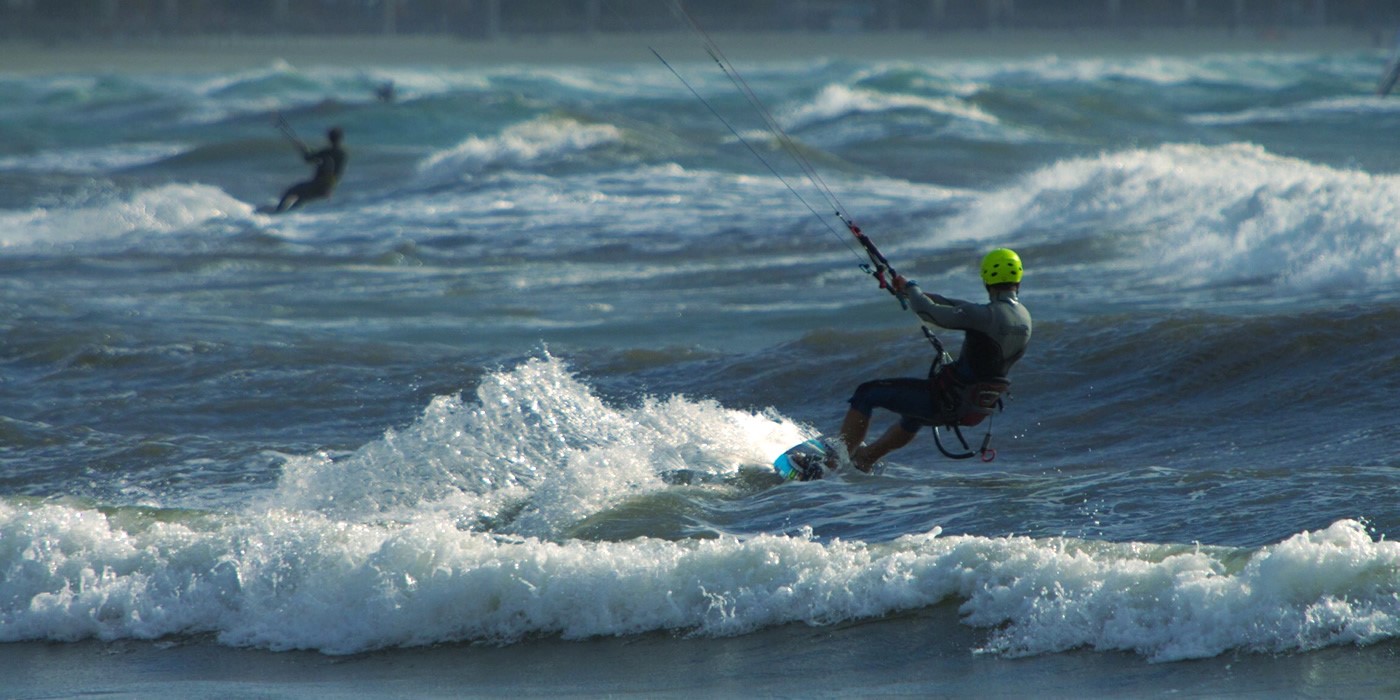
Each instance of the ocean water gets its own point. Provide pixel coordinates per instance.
(508, 400)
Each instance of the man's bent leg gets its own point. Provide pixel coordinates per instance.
(853, 429)
(865, 457)
(905, 396)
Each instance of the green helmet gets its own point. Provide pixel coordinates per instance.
(1001, 266)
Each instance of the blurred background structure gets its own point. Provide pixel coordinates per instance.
(58, 20)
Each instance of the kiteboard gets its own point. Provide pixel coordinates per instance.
(805, 461)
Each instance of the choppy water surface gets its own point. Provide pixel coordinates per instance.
(523, 374)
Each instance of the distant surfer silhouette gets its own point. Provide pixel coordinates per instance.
(385, 91)
(329, 162)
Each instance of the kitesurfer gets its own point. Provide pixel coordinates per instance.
(997, 333)
(329, 162)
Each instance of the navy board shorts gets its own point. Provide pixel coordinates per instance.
(911, 398)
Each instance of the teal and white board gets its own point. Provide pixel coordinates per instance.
(804, 462)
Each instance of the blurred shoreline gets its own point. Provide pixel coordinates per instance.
(204, 54)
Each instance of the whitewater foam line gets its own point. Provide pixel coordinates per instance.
(281, 580)
(1177, 212)
(158, 210)
(542, 139)
(835, 101)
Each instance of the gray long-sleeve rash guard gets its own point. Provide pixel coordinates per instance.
(997, 332)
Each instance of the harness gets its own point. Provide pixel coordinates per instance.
(968, 403)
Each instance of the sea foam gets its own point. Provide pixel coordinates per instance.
(453, 530)
(280, 580)
(158, 210)
(534, 453)
(541, 139)
(1193, 214)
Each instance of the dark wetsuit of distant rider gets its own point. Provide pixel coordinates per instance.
(330, 163)
(997, 335)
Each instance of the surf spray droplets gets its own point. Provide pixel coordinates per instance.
(533, 454)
